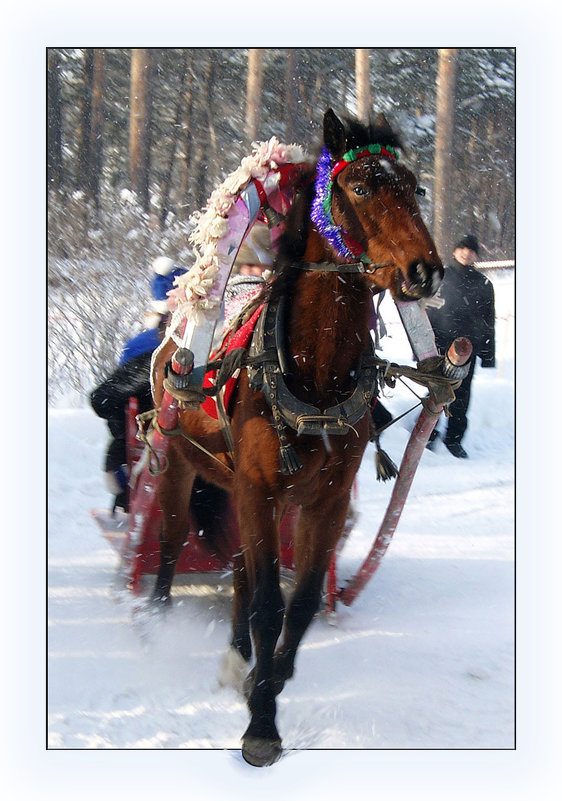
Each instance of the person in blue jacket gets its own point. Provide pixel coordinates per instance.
(132, 379)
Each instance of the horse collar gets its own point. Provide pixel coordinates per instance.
(266, 370)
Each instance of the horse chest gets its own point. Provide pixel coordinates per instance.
(329, 465)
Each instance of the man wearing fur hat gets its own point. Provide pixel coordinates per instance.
(132, 379)
(464, 306)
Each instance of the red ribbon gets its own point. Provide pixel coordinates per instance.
(340, 165)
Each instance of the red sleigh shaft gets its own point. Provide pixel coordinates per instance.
(145, 497)
(457, 356)
(412, 455)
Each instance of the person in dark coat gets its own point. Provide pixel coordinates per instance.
(132, 379)
(464, 306)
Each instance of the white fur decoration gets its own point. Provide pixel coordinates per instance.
(192, 292)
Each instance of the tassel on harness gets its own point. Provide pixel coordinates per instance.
(385, 467)
(289, 461)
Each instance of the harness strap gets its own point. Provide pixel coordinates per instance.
(360, 267)
(151, 418)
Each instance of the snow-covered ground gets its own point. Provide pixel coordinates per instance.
(410, 695)
(424, 659)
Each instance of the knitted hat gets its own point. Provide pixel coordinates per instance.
(165, 273)
(468, 241)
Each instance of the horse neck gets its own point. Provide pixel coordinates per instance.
(328, 330)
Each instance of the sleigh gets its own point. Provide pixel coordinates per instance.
(135, 536)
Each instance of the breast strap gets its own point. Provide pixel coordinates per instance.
(267, 369)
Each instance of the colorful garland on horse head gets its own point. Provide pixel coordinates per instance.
(321, 213)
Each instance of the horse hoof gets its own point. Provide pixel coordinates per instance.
(259, 752)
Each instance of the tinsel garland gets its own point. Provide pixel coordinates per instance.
(321, 210)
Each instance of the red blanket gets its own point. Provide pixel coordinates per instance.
(238, 339)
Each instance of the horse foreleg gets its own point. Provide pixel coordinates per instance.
(174, 493)
(261, 744)
(319, 529)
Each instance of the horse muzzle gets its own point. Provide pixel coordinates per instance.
(421, 280)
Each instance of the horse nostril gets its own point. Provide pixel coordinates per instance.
(418, 272)
(421, 271)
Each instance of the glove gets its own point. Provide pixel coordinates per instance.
(434, 302)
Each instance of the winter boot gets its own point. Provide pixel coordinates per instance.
(117, 483)
(456, 449)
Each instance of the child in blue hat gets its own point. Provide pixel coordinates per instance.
(132, 379)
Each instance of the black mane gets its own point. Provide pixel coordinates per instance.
(358, 134)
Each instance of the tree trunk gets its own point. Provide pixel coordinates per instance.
(176, 131)
(96, 129)
(55, 176)
(140, 123)
(204, 163)
(290, 95)
(253, 92)
(186, 160)
(203, 166)
(444, 132)
(85, 124)
(363, 84)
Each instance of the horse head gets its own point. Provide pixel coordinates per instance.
(365, 208)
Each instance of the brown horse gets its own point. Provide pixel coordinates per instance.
(352, 231)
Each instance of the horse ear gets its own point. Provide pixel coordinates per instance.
(334, 134)
(382, 122)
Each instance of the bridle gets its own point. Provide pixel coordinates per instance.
(358, 267)
(321, 211)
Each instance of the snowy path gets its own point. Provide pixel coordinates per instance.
(423, 659)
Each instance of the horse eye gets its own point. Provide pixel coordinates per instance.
(360, 191)
(420, 190)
